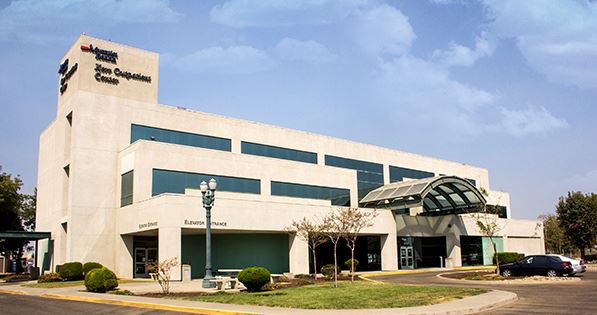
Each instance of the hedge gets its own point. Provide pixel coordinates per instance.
(328, 270)
(100, 280)
(253, 278)
(71, 271)
(49, 277)
(88, 266)
(508, 257)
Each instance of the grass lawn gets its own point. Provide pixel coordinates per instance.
(361, 294)
(64, 284)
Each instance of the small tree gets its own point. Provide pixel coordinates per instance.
(556, 241)
(487, 222)
(334, 228)
(162, 272)
(353, 221)
(312, 233)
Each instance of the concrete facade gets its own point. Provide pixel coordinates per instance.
(87, 148)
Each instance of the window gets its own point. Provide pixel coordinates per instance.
(501, 211)
(338, 196)
(397, 173)
(472, 181)
(278, 152)
(126, 188)
(369, 175)
(178, 137)
(166, 181)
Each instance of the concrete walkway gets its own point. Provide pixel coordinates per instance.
(466, 305)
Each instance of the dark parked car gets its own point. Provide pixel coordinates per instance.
(542, 265)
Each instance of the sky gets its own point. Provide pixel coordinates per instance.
(509, 86)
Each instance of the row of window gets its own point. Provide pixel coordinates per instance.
(166, 181)
(369, 174)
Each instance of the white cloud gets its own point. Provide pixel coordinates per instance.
(531, 120)
(557, 38)
(39, 21)
(458, 55)
(248, 13)
(303, 51)
(383, 29)
(235, 59)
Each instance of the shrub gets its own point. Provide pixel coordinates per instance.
(270, 287)
(88, 266)
(508, 257)
(19, 277)
(328, 270)
(57, 268)
(71, 271)
(301, 282)
(100, 280)
(120, 292)
(50, 277)
(348, 263)
(254, 278)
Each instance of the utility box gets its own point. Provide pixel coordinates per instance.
(186, 272)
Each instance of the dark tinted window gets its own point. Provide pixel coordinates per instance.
(165, 181)
(539, 260)
(397, 173)
(126, 188)
(178, 137)
(278, 152)
(338, 196)
(369, 174)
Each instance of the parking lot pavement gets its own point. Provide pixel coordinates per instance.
(27, 304)
(565, 297)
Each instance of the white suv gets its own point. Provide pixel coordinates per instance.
(578, 265)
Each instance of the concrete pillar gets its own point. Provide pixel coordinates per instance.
(453, 248)
(124, 253)
(169, 246)
(389, 251)
(298, 255)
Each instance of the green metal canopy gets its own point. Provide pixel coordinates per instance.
(436, 195)
(24, 235)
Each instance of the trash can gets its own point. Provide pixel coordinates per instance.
(33, 272)
(186, 272)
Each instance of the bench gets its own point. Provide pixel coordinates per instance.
(153, 276)
(222, 283)
(232, 273)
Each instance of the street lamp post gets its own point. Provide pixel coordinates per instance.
(209, 195)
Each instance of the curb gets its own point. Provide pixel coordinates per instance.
(14, 292)
(503, 282)
(415, 271)
(161, 307)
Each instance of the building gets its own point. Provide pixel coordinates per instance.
(119, 176)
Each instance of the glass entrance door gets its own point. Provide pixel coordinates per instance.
(144, 256)
(406, 257)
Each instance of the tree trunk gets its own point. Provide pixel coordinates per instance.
(352, 264)
(314, 263)
(582, 253)
(335, 266)
(497, 259)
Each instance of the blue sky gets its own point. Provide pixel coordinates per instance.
(506, 85)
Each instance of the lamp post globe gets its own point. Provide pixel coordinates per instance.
(208, 191)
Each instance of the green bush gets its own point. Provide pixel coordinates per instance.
(100, 280)
(57, 268)
(254, 278)
(88, 266)
(71, 271)
(50, 277)
(508, 257)
(348, 263)
(328, 270)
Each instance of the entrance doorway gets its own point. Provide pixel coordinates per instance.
(406, 257)
(144, 256)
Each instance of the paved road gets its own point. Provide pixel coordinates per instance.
(577, 297)
(25, 304)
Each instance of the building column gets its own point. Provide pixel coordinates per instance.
(454, 258)
(169, 246)
(298, 256)
(389, 251)
(124, 257)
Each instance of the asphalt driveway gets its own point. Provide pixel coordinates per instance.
(566, 297)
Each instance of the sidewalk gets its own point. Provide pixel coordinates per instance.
(77, 293)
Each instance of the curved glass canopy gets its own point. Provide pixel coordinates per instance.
(436, 195)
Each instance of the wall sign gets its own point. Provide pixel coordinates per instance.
(147, 225)
(66, 75)
(101, 54)
(202, 223)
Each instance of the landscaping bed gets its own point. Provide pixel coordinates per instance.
(491, 276)
(357, 295)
